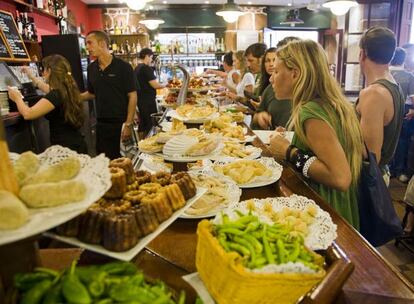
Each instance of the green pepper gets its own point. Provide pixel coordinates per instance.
(246, 244)
(238, 248)
(246, 219)
(54, 296)
(281, 250)
(255, 242)
(231, 231)
(104, 301)
(225, 218)
(181, 299)
(130, 292)
(222, 240)
(252, 226)
(51, 272)
(35, 294)
(72, 288)
(293, 256)
(198, 301)
(231, 225)
(87, 273)
(268, 252)
(25, 281)
(120, 268)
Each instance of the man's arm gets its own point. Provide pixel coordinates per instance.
(85, 96)
(132, 104)
(156, 85)
(371, 107)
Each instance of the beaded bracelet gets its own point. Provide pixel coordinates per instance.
(307, 165)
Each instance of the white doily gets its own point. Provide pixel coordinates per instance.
(322, 232)
(289, 267)
(259, 181)
(94, 173)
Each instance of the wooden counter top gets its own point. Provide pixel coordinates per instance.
(11, 119)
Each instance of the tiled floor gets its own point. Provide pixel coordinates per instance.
(399, 257)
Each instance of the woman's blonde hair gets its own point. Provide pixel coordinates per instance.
(240, 57)
(316, 82)
(61, 79)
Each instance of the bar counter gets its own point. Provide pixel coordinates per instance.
(172, 254)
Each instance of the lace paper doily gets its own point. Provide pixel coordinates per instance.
(322, 232)
(94, 173)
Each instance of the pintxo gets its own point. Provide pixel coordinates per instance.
(14, 48)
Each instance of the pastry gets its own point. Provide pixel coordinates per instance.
(204, 147)
(146, 218)
(91, 224)
(160, 205)
(134, 197)
(150, 187)
(162, 178)
(25, 166)
(13, 213)
(150, 145)
(175, 196)
(118, 180)
(70, 228)
(53, 194)
(186, 184)
(126, 165)
(120, 232)
(64, 170)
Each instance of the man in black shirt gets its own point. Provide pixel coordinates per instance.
(111, 81)
(147, 89)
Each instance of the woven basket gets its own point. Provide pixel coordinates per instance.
(229, 282)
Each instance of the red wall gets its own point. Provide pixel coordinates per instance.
(91, 18)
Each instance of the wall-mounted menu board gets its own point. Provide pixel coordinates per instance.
(4, 51)
(11, 37)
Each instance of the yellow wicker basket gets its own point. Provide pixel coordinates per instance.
(229, 282)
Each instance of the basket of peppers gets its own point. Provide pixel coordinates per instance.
(231, 258)
(116, 282)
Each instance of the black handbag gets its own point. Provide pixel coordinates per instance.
(379, 222)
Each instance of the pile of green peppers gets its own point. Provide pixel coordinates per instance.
(260, 244)
(117, 282)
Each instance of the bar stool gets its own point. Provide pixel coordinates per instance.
(404, 240)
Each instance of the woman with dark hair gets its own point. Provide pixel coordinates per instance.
(270, 113)
(61, 105)
(147, 86)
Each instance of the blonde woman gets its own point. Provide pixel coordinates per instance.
(245, 81)
(327, 146)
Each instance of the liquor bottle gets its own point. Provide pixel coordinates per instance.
(34, 31)
(117, 31)
(138, 47)
(127, 47)
(26, 32)
(181, 48)
(157, 47)
(121, 29)
(51, 7)
(19, 23)
(39, 4)
(114, 47)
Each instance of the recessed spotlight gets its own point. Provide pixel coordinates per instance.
(207, 2)
(290, 4)
(164, 2)
(249, 3)
(151, 7)
(106, 0)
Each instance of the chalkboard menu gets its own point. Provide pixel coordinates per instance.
(4, 52)
(12, 37)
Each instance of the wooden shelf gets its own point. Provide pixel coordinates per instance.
(35, 9)
(127, 35)
(30, 42)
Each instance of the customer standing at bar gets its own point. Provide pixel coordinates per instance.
(111, 81)
(399, 164)
(147, 89)
(327, 144)
(230, 75)
(381, 104)
(61, 106)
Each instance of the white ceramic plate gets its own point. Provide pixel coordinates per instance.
(130, 254)
(255, 152)
(233, 194)
(94, 174)
(174, 114)
(260, 181)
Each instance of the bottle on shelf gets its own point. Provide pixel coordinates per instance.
(39, 4)
(51, 7)
(127, 48)
(19, 23)
(114, 47)
(117, 30)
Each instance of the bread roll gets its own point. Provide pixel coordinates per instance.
(13, 213)
(52, 194)
(25, 166)
(66, 169)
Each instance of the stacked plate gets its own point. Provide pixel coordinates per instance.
(178, 145)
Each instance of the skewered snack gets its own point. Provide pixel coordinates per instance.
(64, 170)
(52, 194)
(223, 125)
(118, 180)
(171, 98)
(186, 184)
(125, 164)
(142, 177)
(196, 83)
(195, 112)
(235, 149)
(177, 126)
(25, 166)
(174, 83)
(13, 213)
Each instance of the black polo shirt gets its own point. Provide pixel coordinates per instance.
(111, 87)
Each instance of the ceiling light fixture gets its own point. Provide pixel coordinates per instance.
(292, 18)
(230, 12)
(164, 2)
(340, 7)
(151, 21)
(136, 5)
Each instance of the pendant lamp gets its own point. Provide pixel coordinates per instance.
(151, 21)
(136, 4)
(292, 18)
(340, 7)
(230, 12)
